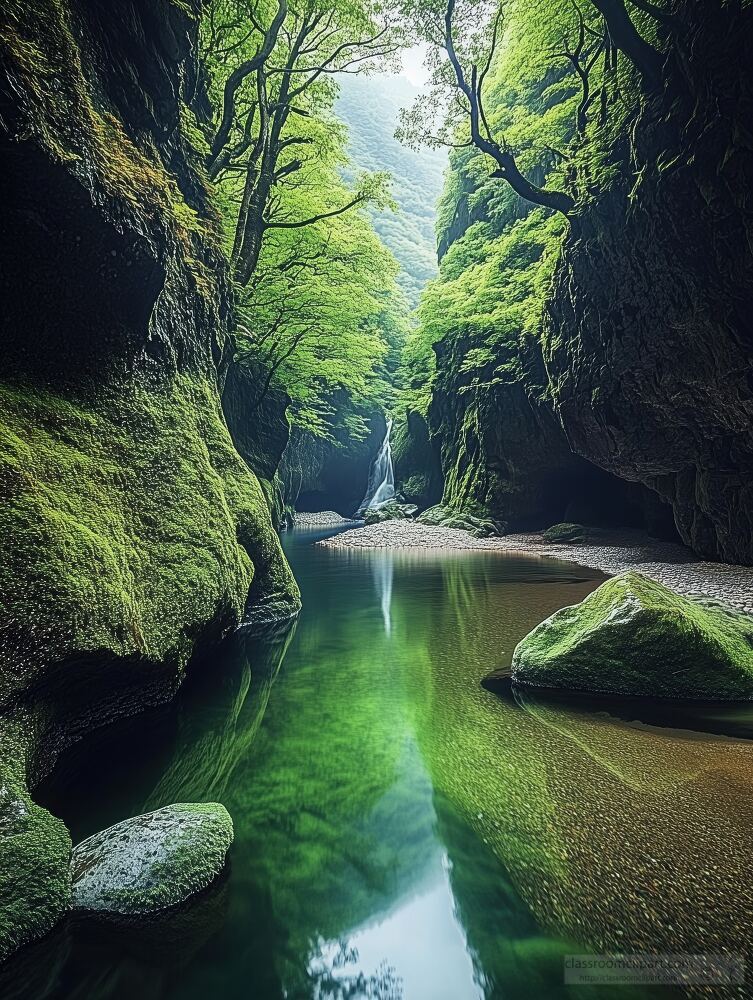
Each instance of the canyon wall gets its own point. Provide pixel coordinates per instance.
(131, 530)
(603, 372)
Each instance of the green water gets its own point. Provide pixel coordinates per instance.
(400, 831)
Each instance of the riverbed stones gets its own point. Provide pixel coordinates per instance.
(152, 862)
(632, 636)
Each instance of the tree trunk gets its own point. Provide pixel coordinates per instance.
(625, 36)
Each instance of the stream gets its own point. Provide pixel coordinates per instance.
(401, 832)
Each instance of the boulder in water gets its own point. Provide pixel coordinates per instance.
(632, 636)
(151, 862)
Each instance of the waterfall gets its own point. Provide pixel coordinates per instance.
(381, 488)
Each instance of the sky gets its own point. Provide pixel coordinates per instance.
(413, 65)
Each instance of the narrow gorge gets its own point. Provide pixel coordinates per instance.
(376, 499)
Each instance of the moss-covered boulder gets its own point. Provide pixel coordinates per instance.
(446, 517)
(632, 636)
(151, 862)
(35, 850)
(566, 532)
(391, 512)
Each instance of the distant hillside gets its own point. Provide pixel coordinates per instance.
(370, 106)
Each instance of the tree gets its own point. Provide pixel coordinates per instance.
(465, 36)
(272, 76)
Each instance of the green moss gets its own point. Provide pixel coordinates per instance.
(464, 520)
(391, 512)
(46, 64)
(128, 524)
(152, 862)
(415, 487)
(565, 532)
(35, 881)
(632, 636)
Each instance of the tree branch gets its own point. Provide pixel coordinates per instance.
(240, 73)
(626, 37)
(507, 168)
(358, 200)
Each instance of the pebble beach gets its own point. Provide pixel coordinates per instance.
(668, 563)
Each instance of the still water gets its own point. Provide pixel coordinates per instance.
(400, 831)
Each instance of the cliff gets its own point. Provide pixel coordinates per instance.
(130, 528)
(602, 371)
(647, 334)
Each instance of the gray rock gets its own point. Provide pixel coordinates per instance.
(151, 862)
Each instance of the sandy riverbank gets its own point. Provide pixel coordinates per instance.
(672, 565)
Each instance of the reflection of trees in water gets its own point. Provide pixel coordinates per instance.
(489, 767)
(332, 809)
(330, 978)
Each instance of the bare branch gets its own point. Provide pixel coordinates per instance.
(358, 200)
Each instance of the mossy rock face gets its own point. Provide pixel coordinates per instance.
(35, 850)
(415, 488)
(152, 862)
(391, 512)
(632, 636)
(479, 527)
(131, 529)
(566, 532)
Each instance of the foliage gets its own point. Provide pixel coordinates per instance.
(324, 316)
(319, 305)
(370, 106)
(499, 249)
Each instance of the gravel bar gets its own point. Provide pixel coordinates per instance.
(322, 519)
(670, 564)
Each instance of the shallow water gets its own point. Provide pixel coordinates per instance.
(400, 831)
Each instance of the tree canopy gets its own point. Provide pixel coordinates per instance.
(318, 301)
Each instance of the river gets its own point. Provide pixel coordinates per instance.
(401, 832)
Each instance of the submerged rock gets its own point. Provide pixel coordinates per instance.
(152, 862)
(632, 636)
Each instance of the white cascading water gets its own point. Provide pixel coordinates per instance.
(381, 488)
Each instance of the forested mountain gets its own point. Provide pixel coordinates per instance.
(370, 106)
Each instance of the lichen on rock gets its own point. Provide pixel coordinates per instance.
(632, 636)
(152, 862)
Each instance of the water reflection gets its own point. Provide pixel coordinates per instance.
(383, 569)
(402, 832)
